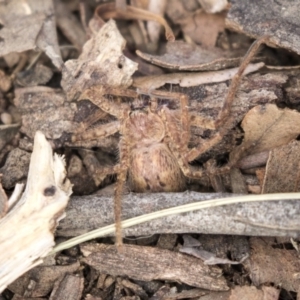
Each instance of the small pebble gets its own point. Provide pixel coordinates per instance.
(6, 118)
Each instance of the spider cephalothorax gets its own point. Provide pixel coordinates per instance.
(152, 165)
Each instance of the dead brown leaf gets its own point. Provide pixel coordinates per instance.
(283, 170)
(273, 265)
(187, 57)
(267, 127)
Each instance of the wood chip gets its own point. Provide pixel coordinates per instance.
(44, 278)
(147, 263)
(69, 288)
(102, 62)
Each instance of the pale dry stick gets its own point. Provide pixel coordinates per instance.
(110, 11)
(106, 230)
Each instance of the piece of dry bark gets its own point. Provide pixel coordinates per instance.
(267, 127)
(160, 265)
(182, 56)
(39, 281)
(135, 288)
(7, 133)
(27, 25)
(79, 177)
(101, 62)
(189, 79)
(280, 21)
(271, 264)
(34, 218)
(217, 248)
(167, 241)
(91, 212)
(252, 293)
(69, 288)
(45, 109)
(15, 169)
(282, 170)
(193, 248)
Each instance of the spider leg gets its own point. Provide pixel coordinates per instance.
(97, 94)
(178, 143)
(121, 178)
(100, 131)
(237, 79)
(121, 111)
(225, 111)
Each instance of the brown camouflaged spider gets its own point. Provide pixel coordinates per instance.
(153, 148)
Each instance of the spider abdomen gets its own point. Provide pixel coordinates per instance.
(155, 169)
